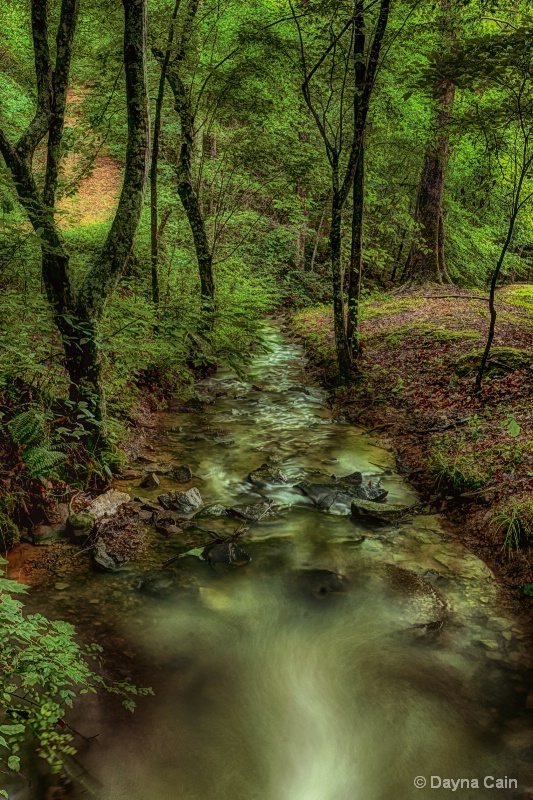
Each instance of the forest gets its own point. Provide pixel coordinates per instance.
(240, 242)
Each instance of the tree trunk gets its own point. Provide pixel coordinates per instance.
(335, 241)
(186, 191)
(356, 256)
(301, 191)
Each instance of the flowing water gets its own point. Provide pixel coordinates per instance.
(339, 664)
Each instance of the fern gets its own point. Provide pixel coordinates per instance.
(41, 460)
(28, 427)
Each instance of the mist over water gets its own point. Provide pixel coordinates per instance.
(341, 662)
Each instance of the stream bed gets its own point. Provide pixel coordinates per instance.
(341, 663)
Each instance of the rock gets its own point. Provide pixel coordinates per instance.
(44, 535)
(60, 587)
(267, 473)
(377, 495)
(501, 359)
(225, 553)
(80, 525)
(370, 513)
(180, 474)
(102, 558)
(157, 582)
(167, 525)
(326, 496)
(214, 510)
(107, 503)
(252, 512)
(319, 582)
(354, 478)
(185, 502)
(150, 482)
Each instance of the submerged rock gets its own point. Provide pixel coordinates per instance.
(253, 512)
(102, 558)
(157, 582)
(267, 473)
(180, 474)
(319, 582)
(371, 513)
(214, 510)
(225, 553)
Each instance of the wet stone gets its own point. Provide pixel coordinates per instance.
(108, 503)
(180, 474)
(185, 502)
(253, 512)
(150, 482)
(225, 553)
(372, 514)
(80, 525)
(215, 510)
(267, 473)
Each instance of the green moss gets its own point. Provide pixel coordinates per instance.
(387, 308)
(431, 334)
(9, 534)
(501, 359)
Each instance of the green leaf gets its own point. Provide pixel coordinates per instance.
(513, 429)
(13, 762)
(12, 730)
(7, 585)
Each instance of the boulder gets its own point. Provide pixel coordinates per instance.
(80, 526)
(184, 502)
(326, 496)
(214, 510)
(180, 474)
(267, 473)
(102, 558)
(43, 535)
(225, 553)
(375, 495)
(354, 478)
(107, 503)
(150, 482)
(370, 513)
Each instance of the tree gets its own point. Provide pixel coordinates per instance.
(173, 70)
(77, 312)
(328, 112)
(425, 263)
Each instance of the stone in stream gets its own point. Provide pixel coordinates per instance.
(214, 510)
(43, 535)
(184, 502)
(375, 495)
(319, 582)
(253, 512)
(354, 478)
(326, 496)
(180, 474)
(107, 503)
(157, 582)
(225, 553)
(167, 525)
(102, 558)
(267, 473)
(371, 513)
(80, 525)
(150, 482)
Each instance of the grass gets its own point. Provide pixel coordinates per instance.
(514, 521)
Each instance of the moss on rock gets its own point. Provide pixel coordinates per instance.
(501, 359)
(9, 534)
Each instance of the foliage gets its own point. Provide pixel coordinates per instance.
(44, 670)
(512, 521)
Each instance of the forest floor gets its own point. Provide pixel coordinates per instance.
(471, 458)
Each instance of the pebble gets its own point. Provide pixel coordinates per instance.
(61, 586)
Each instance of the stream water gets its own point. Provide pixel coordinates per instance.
(339, 664)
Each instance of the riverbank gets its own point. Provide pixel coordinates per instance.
(471, 459)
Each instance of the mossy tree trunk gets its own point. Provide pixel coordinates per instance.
(78, 314)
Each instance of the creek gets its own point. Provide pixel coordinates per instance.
(340, 663)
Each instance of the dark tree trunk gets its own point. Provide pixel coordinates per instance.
(335, 242)
(425, 262)
(356, 256)
(154, 231)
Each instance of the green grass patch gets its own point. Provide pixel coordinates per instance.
(512, 521)
(430, 334)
